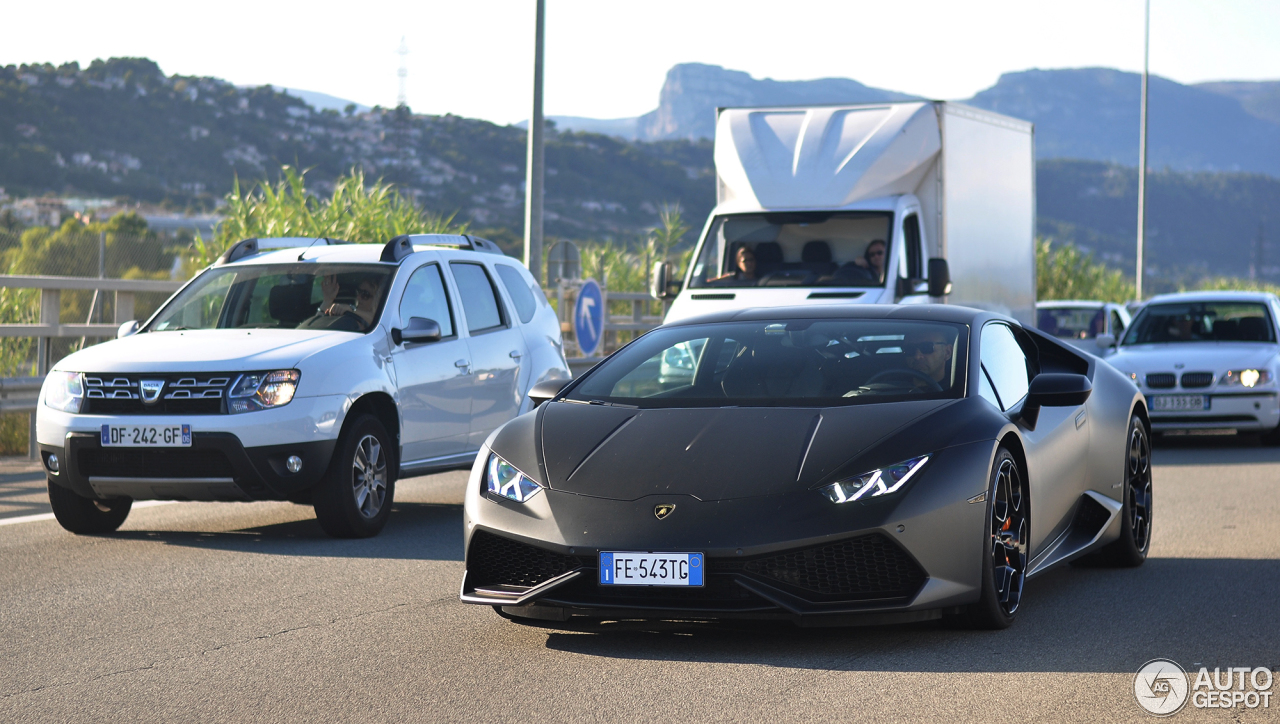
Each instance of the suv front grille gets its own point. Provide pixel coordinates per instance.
(153, 463)
(1160, 380)
(1193, 380)
(182, 394)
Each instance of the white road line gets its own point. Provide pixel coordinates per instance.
(49, 516)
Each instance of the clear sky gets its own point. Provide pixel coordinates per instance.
(608, 59)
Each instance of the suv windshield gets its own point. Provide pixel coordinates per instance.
(1201, 322)
(804, 249)
(796, 363)
(344, 297)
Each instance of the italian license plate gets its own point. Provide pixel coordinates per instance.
(146, 436)
(1164, 403)
(623, 568)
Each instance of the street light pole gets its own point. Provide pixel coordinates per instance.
(533, 180)
(1142, 151)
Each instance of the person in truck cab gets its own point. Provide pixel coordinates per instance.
(873, 259)
(744, 263)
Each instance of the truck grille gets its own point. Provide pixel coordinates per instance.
(153, 463)
(180, 395)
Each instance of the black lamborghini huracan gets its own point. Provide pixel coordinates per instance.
(836, 464)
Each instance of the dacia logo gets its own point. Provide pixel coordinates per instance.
(663, 510)
(150, 390)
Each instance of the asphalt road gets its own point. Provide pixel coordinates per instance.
(247, 612)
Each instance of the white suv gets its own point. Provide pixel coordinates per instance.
(300, 369)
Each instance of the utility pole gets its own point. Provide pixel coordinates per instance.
(1258, 252)
(1142, 151)
(533, 179)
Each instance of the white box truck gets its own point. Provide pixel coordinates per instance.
(902, 203)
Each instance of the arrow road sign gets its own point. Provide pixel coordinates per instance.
(588, 317)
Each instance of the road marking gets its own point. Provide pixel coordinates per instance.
(49, 516)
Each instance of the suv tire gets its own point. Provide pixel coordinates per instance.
(353, 499)
(85, 516)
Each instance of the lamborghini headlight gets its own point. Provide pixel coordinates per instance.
(503, 479)
(263, 390)
(1246, 378)
(884, 481)
(63, 391)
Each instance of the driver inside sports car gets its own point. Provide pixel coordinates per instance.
(929, 353)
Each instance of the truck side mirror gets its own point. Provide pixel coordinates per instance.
(939, 278)
(661, 285)
(546, 390)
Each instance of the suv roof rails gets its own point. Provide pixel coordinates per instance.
(249, 247)
(401, 246)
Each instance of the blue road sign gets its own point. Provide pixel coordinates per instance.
(588, 317)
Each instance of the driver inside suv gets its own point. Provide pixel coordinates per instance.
(368, 290)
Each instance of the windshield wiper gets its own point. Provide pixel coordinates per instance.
(612, 404)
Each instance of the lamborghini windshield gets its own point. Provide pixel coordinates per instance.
(343, 297)
(807, 363)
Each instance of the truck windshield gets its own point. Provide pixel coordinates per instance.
(1225, 321)
(342, 297)
(791, 363)
(802, 249)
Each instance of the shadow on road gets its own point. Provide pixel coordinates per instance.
(1213, 450)
(416, 531)
(1194, 611)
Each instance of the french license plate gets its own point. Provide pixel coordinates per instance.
(146, 436)
(624, 568)
(1163, 403)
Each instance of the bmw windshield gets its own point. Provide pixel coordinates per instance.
(342, 297)
(1226, 321)
(796, 363)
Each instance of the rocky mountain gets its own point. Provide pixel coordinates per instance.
(693, 91)
(1086, 113)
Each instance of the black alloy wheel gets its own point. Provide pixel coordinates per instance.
(354, 498)
(87, 516)
(1004, 541)
(1131, 548)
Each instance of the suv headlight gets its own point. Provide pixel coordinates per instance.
(1246, 378)
(884, 481)
(263, 390)
(63, 391)
(502, 478)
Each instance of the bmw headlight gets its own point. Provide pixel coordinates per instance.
(63, 391)
(884, 481)
(503, 479)
(263, 390)
(1246, 378)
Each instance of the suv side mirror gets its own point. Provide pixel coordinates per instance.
(546, 390)
(661, 285)
(417, 330)
(939, 278)
(1054, 389)
(1105, 341)
(128, 328)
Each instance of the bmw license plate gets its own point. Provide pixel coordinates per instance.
(1170, 403)
(146, 436)
(624, 568)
